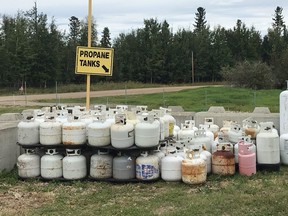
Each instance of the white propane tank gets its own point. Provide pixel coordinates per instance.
(50, 131)
(122, 133)
(147, 167)
(124, 167)
(51, 165)
(74, 132)
(147, 132)
(158, 115)
(28, 131)
(209, 133)
(170, 122)
(160, 154)
(28, 164)
(283, 104)
(235, 133)
(186, 132)
(284, 148)
(175, 132)
(268, 148)
(202, 139)
(171, 167)
(101, 165)
(74, 165)
(213, 127)
(206, 154)
(99, 132)
(226, 127)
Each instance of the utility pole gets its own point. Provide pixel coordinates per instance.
(89, 45)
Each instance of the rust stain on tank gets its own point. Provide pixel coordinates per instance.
(223, 163)
(193, 173)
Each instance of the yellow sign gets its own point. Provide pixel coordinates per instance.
(94, 60)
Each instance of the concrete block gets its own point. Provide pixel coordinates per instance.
(180, 117)
(9, 150)
(8, 117)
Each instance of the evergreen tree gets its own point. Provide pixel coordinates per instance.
(105, 40)
(200, 19)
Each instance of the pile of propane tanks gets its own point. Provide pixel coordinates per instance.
(119, 144)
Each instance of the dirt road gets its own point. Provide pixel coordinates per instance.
(30, 100)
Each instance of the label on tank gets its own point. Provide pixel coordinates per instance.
(146, 171)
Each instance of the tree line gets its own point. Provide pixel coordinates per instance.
(37, 52)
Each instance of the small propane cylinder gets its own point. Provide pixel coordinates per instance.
(283, 111)
(101, 165)
(124, 167)
(74, 132)
(284, 148)
(247, 158)
(74, 165)
(50, 131)
(99, 132)
(169, 122)
(234, 133)
(147, 167)
(171, 167)
(194, 170)
(122, 133)
(223, 162)
(28, 131)
(213, 127)
(202, 139)
(28, 164)
(147, 132)
(268, 148)
(51, 164)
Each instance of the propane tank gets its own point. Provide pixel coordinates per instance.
(160, 154)
(251, 128)
(101, 165)
(207, 156)
(213, 127)
(202, 139)
(283, 104)
(147, 167)
(147, 132)
(158, 115)
(124, 167)
(247, 158)
(175, 132)
(268, 148)
(74, 132)
(186, 132)
(51, 165)
(74, 165)
(28, 131)
(284, 148)
(28, 164)
(209, 133)
(50, 131)
(226, 127)
(171, 167)
(122, 133)
(194, 170)
(234, 133)
(99, 132)
(223, 162)
(169, 122)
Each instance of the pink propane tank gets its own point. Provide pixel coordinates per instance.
(246, 158)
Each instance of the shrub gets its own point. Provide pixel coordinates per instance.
(255, 75)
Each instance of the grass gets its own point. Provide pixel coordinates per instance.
(232, 99)
(262, 194)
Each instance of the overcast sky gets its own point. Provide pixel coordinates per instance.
(121, 16)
